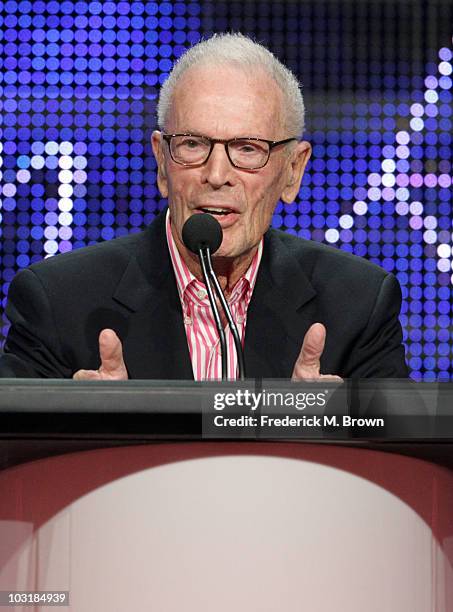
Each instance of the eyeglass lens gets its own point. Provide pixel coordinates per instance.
(245, 153)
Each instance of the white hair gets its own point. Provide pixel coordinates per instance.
(248, 55)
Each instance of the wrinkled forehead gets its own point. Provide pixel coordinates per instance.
(222, 96)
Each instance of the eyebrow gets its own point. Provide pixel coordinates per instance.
(197, 133)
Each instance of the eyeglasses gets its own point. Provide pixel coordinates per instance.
(243, 153)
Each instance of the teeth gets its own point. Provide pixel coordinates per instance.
(223, 211)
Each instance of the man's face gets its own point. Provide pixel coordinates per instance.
(223, 102)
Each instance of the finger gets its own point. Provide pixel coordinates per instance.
(308, 363)
(111, 354)
(333, 378)
(86, 375)
(312, 346)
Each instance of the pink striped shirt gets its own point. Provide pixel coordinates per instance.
(201, 331)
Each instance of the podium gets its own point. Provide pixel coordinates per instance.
(121, 495)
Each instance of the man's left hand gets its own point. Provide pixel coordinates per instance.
(308, 364)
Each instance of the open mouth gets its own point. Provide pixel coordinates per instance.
(216, 211)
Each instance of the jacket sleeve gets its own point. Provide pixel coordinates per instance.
(379, 352)
(32, 348)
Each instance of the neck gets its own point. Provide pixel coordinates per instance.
(228, 270)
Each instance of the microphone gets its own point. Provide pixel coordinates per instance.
(202, 234)
(202, 231)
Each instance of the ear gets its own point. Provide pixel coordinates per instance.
(158, 144)
(297, 163)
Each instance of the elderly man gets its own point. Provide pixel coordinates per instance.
(230, 118)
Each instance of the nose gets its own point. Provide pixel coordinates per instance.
(218, 170)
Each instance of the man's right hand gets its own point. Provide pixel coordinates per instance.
(112, 363)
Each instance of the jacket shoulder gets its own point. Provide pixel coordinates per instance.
(105, 255)
(318, 259)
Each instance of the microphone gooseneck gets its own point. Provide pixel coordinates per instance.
(229, 317)
(215, 311)
(202, 234)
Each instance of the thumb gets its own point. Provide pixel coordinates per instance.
(111, 353)
(308, 363)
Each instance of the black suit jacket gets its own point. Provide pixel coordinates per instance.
(58, 307)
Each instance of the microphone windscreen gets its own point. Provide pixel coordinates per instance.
(200, 231)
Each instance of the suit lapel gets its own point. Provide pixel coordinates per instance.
(156, 344)
(279, 314)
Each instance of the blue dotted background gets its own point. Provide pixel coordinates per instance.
(78, 85)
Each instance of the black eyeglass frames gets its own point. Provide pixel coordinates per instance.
(245, 153)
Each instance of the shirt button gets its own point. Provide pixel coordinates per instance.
(187, 321)
(239, 319)
(201, 294)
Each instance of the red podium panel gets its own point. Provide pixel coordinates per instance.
(223, 526)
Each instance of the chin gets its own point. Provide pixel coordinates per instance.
(222, 254)
(227, 251)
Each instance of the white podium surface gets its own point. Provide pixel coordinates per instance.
(262, 527)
